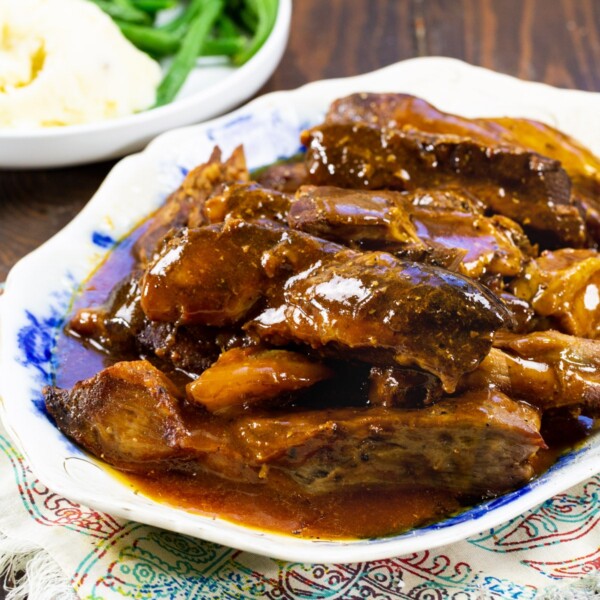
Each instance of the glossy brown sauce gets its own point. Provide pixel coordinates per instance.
(278, 505)
(74, 360)
(349, 514)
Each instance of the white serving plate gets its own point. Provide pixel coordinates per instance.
(211, 89)
(40, 287)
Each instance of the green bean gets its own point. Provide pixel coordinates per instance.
(232, 28)
(180, 23)
(128, 5)
(123, 12)
(226, 27)
(266, 11)
(249, 18)
(223, 46)
(153, 6)
(148, 39)
(186, 56)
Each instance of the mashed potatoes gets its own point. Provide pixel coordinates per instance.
(64, 62)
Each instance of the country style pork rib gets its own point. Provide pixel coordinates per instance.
(403, 111)
(524, 186)
(131, 416)
(404, 223)
(548, 369)
(295, 288)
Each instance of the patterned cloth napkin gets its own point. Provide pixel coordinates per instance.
(551, 553)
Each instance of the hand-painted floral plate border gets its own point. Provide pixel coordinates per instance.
(40, 287)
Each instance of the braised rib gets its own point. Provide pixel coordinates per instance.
(407, 223)
(403, 111)
(548, 369)
(290, 287)
(524, 186)
(130, 416)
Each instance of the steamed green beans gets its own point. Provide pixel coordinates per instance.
(188, 52)
(266, 13)
(235, 29)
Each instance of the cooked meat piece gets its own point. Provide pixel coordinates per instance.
(524, 186)
(523, 315)
(247, 201)
(582, 165)
(376, 308)
(564, 286)
(395, 387)
(121, 329)
(128, 415)
(369, 306)
(477, 444)
(547, 369)
(246, 377)
(350, 216)
(492, 245)
(207, 276)
(401, 223)
(371, 221)
(215, 275)
(406, 111)
(286, 178)
(114, 326)
(403, 111)
(185, 206)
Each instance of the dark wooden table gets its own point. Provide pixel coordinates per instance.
(554, 41)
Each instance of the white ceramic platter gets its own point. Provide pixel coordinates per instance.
(40, 287)
(211, 89)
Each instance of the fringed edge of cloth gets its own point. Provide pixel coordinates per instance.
(31, 573)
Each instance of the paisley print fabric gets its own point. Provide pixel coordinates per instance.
(550, 552)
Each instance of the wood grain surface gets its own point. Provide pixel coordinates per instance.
(554, 41)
